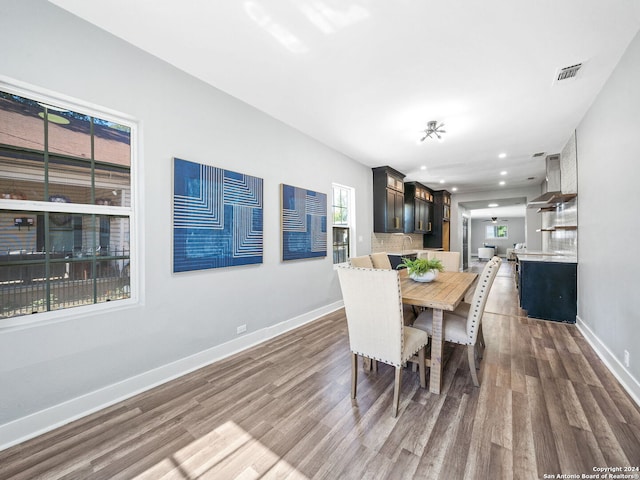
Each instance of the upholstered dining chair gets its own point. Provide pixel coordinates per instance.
(381, 260)
(450, 260)
(363, 262)
(373, 305)
(463, 325)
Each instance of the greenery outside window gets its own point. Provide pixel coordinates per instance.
(497, 231)
(65, 205)
(342, 210)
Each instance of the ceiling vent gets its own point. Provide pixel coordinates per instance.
(539, 154)
(567, 73)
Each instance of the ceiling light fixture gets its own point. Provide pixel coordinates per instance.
(432, 129)
(454, 189)
(492, 205)
(504, 172)
(502, 155)
(502, 182)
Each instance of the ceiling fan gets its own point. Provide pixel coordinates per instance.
(432, 129)
(496, 220)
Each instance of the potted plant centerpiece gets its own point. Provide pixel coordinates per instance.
(422, 269)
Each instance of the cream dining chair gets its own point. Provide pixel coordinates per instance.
(363, 262)
(381, 260)
(373, 305)
(464, 325)
(450, 260)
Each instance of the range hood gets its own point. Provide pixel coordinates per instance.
(553, 183)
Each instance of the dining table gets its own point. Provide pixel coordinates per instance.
(446, 292)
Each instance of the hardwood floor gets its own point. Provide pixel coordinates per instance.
(546, 405)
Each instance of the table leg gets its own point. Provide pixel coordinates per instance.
(437, 343)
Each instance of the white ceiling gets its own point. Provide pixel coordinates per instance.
(365, 76)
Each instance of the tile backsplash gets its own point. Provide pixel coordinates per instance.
(394, 242)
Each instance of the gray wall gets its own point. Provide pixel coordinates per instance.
(608, 151)
(56, 370)
(478, 231)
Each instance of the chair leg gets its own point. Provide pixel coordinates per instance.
(422, 367)
(471, 354)
(354, 374)
(366, 364)
(396, 391)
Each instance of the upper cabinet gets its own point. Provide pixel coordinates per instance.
(388, 200)
(418, 208)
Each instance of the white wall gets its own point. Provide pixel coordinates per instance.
(53, 372)
(608, 151)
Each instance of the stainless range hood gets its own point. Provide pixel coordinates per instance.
(553, 183)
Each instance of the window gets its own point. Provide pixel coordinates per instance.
(65, 206)
(497, 231)
(342, 209)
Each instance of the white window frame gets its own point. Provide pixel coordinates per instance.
(351, 224)
(494, 227)
(46, 96)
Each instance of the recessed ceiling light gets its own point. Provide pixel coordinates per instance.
(454, 189)
(441, 181)
(423, 167)
(502, 182)
(504, 172)
(502, 155)
(493, 205)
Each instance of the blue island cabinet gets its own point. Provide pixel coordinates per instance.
(548, 290)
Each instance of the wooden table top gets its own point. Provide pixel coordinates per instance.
(445, 292)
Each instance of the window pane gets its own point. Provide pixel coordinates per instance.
(113, 186)
(21, 175)
(20, 125)
(69, 133)
(112, 142)
(88, 261)
(69, 180)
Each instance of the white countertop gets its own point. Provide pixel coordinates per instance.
(547, 257)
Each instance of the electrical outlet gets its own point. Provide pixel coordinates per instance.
(241, 329)
(626, 358)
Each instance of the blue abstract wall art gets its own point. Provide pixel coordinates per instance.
(304, 223)
(217, 217)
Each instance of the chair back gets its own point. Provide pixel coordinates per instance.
(476, 309)
(373, 305)
(361, 262)
(450, 260)
(381, 260)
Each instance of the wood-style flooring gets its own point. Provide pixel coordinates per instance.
(546, 405)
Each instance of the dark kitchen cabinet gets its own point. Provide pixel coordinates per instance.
(418, 208)
(439, 237)
(548, 290)
(388, 200)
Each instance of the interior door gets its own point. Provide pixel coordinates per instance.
(465, 243)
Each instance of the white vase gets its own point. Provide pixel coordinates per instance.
(428, 276)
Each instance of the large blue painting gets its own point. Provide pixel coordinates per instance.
(217, 217)
(304, 223)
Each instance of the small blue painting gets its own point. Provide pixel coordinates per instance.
(304, 223)
(217, 217)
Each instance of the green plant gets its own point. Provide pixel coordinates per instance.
(420, 266)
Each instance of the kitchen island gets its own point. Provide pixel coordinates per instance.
(547, 286)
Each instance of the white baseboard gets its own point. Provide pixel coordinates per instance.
(628, 381)
(53, 417)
